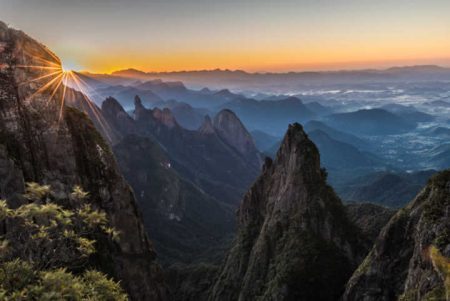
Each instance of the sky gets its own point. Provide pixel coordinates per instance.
(253, 35)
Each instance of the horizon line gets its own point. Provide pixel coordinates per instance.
(442, 66)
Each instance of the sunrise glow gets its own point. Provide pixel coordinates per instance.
(249, 35)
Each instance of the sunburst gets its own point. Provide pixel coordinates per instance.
(55, 79)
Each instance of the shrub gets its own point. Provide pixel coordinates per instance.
(43, 242)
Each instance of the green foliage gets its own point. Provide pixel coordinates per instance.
(436, 294)
(78, 193)
(43, 241)
(36, 192)
(21, 281)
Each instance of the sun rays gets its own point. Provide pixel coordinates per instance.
(54, 82)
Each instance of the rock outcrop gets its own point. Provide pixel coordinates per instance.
(410, 258)
(294, 241)
(231, 129)
(43, 140)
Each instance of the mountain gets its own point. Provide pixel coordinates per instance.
(184, 223)
(264, 141)
(153, 91)
(409, 113)
(126, 94)
(178, 91)
(337, 135)
(201, 156)
(438, 131)
(283, 82)
(131, 72)
(318, 108)
(294, 238)
(45, 141)
(419, 71)
(410, 258)
(438, 103)
(386, 188)
(188, 117)
(270, 116)
(231, 130)
(370, 122)
(438, 157)
(369, 218)
(340, 155)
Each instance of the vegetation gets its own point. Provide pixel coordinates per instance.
(441, 265)
(45, 247)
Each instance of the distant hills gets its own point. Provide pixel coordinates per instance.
(238, 79)
(370, 122)
(391, 189)
(270, 116)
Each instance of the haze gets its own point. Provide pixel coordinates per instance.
(103, 36)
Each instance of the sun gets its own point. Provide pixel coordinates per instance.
(57, 77)
(68, 65)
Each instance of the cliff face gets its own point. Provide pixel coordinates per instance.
(294, 239)
(410, 258)
(42, 140)
(231, 129)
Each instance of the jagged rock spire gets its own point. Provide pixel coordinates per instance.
(294, 238)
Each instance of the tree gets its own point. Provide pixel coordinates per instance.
(19, 281)
(42, 242)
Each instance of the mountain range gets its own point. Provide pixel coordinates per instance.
(173, 189)
(241, 80)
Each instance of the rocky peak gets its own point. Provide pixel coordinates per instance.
(230, 128)
(111, 106)
(207, 127)
(300, 155)
(139, 110)
(138, 103)
(165, 117)
(294, 237)
(117, 120)
(410, 258)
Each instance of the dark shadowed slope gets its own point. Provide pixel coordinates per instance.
(184, 222)
(294, 238)
(410, 258)
(41, 145)
(369, 218)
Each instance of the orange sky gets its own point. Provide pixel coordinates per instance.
(264, 35)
